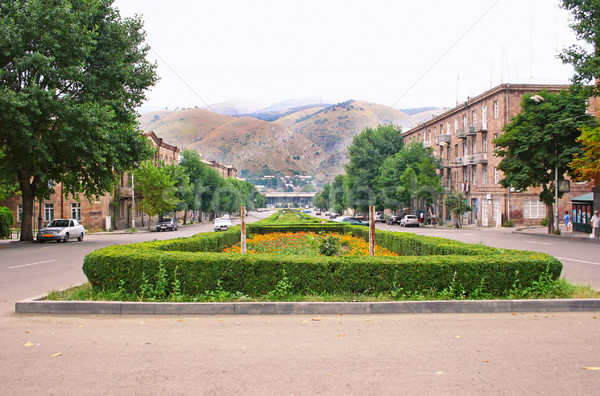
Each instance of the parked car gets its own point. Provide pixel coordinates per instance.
(409, 221)
(318, 213)
(359, 216)
(167, 224)
(222, 224)
(380, 216)
(394, 219)
(351, 220)
(61, 230)
(333, 215)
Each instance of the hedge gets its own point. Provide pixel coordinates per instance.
(425, 263)
(6, 222)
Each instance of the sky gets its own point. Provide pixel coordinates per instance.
(398, 53)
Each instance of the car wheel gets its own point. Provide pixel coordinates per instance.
(41, 241)
(66, 238)
(80, 238)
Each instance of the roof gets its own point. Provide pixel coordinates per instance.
(589, 197)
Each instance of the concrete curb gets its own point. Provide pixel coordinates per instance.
(562, 236)
(37, 306)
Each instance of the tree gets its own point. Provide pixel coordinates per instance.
(410, 173)
(72, 73)
(156, 189)
(205, 180)
(366, 154)
(585, 60)
(337, 193)
(184, 190)
(541, 139)
(586, 167)
(457, 204)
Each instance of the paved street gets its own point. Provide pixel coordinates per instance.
(552, 353)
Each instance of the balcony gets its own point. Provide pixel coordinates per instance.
(480, 127)
(468, 160)
(461, 133)
(470, 131)
(439, 140)
(480, 158)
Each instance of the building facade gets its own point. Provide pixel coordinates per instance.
(462, 138)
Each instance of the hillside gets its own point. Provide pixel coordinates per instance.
(311, 140)
(245, 142)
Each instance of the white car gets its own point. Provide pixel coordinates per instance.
(222, 224)
(409, 221)
(61, 230)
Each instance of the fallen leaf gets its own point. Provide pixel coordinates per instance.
(27, 331)
(56, 354)
(595, 317)
(180, 320)
(305, 321)
(486, 361)
(339, 314)
(29, 344)
(458, 336)
(591, 368)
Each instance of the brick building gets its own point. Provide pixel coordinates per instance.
(104, 212)
(462, 139)
(224, 170)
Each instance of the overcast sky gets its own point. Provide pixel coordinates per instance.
(397, 53)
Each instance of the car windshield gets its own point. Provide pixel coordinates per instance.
(59, 223)
(411, 217)
(165, 221)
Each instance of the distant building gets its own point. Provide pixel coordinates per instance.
(224, 170)
(462, 139)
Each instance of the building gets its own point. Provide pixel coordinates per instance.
(462, 139)
(110, 211)
(289, 199)
(224, 170)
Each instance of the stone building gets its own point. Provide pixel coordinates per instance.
(462, 139)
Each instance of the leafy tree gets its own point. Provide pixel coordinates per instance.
(398, 188)
(586, 167)
(72, 73)
(586, 24)
(457, 204)
(321, 200)
(368, 151)
(337, 193)
(205, 180)
(156, 188)
(540, 139)
(184, 190)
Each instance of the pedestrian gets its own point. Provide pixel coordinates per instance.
(421, 219)
(567, 220)
(596, 224)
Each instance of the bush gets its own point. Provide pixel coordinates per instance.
(7, 220)
(196, 264)
(544, 222)
(508, 223)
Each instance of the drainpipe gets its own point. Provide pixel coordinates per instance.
(507, 120)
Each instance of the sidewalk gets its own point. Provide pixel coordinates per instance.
(568, 235)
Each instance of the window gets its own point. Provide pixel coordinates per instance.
(464, 120)
(474, 145)
(474, 117)
(455, 125)
(533, 209)
(76, 211)
(484, 175)
(447, 128)
(496, 175)
(48, 212)
(496, 110)
(484, 117)
(20, 213)
(484, 143)
(474, 176)
(464, 147)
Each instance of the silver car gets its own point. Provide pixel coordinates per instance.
(409, 221)
(61, 230)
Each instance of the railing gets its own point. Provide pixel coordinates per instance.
(480, 127)
(470, 130)
(461, 133)
(443, 139)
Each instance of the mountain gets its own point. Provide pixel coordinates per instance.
(245, 142)
(309, 139)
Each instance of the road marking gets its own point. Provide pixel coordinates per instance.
(28, 265)
(541, 243)
(578, 261)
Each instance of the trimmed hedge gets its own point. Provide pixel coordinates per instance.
(6, 222)
(426, 263)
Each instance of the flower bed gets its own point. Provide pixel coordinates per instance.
(307, 243)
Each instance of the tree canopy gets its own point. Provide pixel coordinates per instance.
(71, 75)
(540, 139)
(586, 167)
(366, 154)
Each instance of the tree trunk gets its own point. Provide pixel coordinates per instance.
(550, 216)
(28, 198)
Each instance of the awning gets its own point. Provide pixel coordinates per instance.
(589, 197)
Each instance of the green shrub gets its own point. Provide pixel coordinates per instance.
(7, 220)
(195, 265)
(508, 223)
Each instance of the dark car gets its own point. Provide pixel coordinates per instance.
(167, 224)
(394, 219)
(351, 220)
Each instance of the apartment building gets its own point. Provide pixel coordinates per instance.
(462, 138)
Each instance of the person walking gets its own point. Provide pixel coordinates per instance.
(567, 220)
(596, 224)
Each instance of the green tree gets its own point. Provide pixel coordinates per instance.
(184, 190)
(368, 151)
(457, 204)
(398, 188)
(587, 166)
(205, 180)
(156, 188)
(337, 193)
(585, 59)
(72, 73)
(541, 139)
